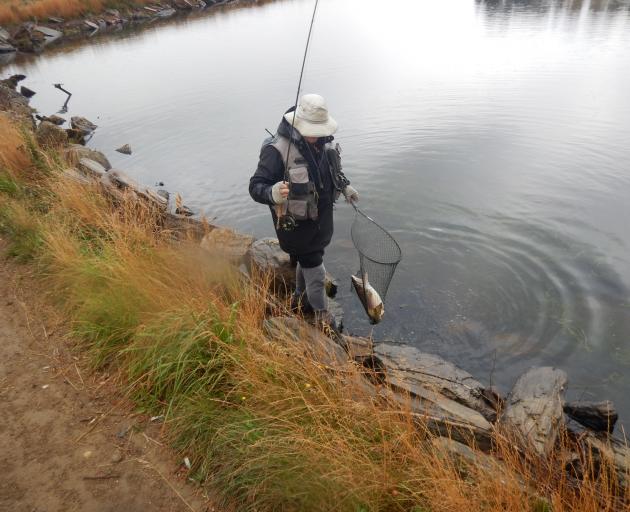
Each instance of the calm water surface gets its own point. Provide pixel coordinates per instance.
(491, 138)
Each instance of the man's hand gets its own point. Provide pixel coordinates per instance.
(280, 192)
(351, 194)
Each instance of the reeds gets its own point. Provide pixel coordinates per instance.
(266, 427)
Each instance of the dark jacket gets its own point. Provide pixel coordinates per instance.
(309, 236)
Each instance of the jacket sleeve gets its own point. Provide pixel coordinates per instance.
(270, 171)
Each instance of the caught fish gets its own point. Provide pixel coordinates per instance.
(370, 298)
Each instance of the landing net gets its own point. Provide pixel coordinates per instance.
(379, 253)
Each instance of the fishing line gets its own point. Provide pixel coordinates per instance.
(297, 96)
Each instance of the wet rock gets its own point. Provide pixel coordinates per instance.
(414, 371)
(54, 119)
(45, 35)
(75, 152)
(82, 124)
(226, 243)
(26, 92)
(32, 38)
(165, 13)
(125, 150)
(91, 167)
(534, 408)
(51, 136)
(598, 416)
(54, 19)
(90, 25)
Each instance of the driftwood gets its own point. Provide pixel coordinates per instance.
(599, 416)
(534, 408)
(416, 372)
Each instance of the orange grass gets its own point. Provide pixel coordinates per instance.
(16, 11)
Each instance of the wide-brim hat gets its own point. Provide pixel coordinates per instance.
(312, 118)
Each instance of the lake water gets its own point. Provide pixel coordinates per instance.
(491, 138)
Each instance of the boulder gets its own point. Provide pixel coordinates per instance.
(227, 243)
(533, 411)
(185, 228)
(12, 82)
(91, 167)
(414, 371)
(75, 152)
(6, 48)
(50, 136)
(359, 348)
(54, 119)
(14, 102)
(598, 416)
(82, 124)
(76, 175)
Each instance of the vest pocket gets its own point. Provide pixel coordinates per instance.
(298, 179)
(298, 208)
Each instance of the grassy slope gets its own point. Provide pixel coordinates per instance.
(268, 428)
(16, 11)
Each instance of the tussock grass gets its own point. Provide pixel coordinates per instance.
(264, 425)
(16, 11)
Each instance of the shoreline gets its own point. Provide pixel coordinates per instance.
(444, 399)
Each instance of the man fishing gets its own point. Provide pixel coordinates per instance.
(299, 176)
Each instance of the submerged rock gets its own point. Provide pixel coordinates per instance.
(125, 150)
(598, 416)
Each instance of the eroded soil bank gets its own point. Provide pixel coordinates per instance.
(68, 440)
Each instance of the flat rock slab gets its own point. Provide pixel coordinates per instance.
(227, 243)
(534, 408)
(91, 167)
(599, 416)
(415, 371)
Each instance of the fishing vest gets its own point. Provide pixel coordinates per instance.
(302, 201)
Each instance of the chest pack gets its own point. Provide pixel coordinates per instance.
(302, 201)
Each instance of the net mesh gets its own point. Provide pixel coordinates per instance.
(379, 253)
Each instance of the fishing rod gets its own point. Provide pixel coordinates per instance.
(284, 221)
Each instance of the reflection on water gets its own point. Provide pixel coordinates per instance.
(489, 136)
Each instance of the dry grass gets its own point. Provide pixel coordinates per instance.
(13, 153)
(265, 425)
(16, 11)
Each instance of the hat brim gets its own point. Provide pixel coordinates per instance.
(309, 129)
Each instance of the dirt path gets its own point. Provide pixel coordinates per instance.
(67, 441)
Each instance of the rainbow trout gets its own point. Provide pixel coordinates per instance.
(371, 300)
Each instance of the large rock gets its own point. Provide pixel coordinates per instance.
(441, 415)
(14, 102)
(50, 135)
(414, 371)
(75, 152)
(227, 243)
(534, 408)
(82, 124)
